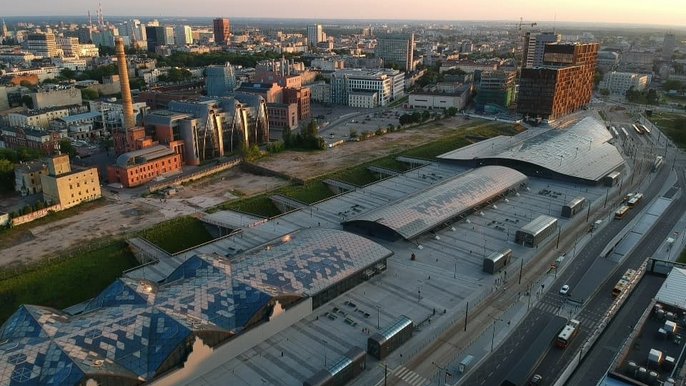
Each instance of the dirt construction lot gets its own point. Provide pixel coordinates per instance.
(124, 215)
(307, 165)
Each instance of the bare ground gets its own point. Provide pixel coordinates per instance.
(307, 165)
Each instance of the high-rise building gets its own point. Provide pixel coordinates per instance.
(397, 49)
(562, 84)
(496, 90)
(169, 36)
(85, 35)
(220, 80)
(222, 30)
(315, 34)
(668, 46)
(534, 46)
(70, 46)
(155, 36)
(42, 44)
(184, 35)
(135, 30)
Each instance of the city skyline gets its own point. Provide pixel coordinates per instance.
(661, 12)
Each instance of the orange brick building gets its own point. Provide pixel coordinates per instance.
(141, 166)
(562, 85)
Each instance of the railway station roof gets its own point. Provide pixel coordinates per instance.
(582, 151)
(423, 211)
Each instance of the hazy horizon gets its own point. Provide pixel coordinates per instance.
(669, 13)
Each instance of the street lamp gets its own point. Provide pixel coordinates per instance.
(378, 316)
(324, 342)
(493, 336)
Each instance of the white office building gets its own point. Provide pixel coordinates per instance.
(183, 35)
(618, 83)
(315, 34)
(366, 88)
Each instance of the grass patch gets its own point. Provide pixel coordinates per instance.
(392, 163)
(15, 235)
(259, 205)
(673, 125)
(308, 193)
(451, 142)
(682, 257)
(177, 234)
(64, 282)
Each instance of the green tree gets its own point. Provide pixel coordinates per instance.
(27, 101)
(67, 148)
(6, 175)
(68, 73)
(137, 83)
(672, 84)
(88, 94)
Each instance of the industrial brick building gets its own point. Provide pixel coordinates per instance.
(141, 166)
(562, 85)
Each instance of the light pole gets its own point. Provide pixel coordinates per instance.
(324, 342)
(378, 316)
(493, 336)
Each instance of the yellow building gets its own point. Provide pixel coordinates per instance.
(69, 188)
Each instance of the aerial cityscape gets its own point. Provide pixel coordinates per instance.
(351, 193)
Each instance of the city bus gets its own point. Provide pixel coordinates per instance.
(645, 128)
(567, 333)
(623, 283)
(621, 212)
(638, 129)
(634, 200)
(626, 134)
(614, 132)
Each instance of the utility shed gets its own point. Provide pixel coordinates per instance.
(536, 231)
(573, 207)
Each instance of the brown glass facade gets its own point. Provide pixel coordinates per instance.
(562, 85)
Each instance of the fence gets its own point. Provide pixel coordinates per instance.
(35, 215)
(194, 176)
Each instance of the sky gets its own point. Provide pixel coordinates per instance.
(654, 12)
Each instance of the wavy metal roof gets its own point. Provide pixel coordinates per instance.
(425, 210)
(581, 151)
(135, 330)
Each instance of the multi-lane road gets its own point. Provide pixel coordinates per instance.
(495, 369)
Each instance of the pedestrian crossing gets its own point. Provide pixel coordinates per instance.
(588, 318)
(401, 375)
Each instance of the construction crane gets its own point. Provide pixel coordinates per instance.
(521, 23)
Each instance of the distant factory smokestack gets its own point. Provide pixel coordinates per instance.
(127, 103)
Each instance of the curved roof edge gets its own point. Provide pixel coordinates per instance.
(427, 209)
